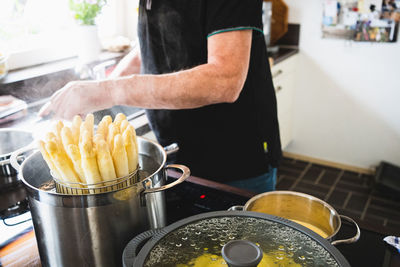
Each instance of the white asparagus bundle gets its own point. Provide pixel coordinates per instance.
(120, 157)
(61, 162)
(75, 128)
(73, 152)
(130, 148)
(77, 154)
(119, 118)
(47, 158)
(88, 158)
(104, 158)
(102, 128)
(113, 131)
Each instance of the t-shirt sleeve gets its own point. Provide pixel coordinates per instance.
(231, 15)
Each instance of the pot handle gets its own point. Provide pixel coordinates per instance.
(234, 208)
(17, 155)
(7, 161)
(134, 246)
(349, 240)
(172, 148)
(4, 162)
(185, 174)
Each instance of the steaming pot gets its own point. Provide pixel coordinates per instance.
(93, 229)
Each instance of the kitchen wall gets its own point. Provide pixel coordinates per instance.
(347, 101)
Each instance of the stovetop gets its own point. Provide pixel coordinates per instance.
(191, 198)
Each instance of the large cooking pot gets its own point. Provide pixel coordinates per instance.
(10, 141)
(93, 229)
(304, 209)
(202, 240)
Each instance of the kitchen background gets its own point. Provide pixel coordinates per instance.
(340, 117)
(345, 107)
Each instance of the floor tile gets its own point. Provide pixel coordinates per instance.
(287, 171)
(313, 173)
(357, 202)
(338, 198)
(284, 183)
(359, 188)
(329, 176)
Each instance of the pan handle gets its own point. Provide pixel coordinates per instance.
(185, 174)
(134, 246)
(349, 240)
(233, 208)
(17, 155)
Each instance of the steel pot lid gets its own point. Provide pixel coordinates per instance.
(198, 240)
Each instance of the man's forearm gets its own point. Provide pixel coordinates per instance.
(203, 85)
(219, 81)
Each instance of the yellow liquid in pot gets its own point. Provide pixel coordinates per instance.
(276, 258)
(312, 227)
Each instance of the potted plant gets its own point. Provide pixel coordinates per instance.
(85, 13)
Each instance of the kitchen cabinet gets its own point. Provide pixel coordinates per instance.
(283, 76)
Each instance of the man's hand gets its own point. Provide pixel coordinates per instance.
(78, 98)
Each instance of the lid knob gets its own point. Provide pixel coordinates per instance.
(241, 253)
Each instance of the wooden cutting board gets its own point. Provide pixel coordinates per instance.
(279, 22)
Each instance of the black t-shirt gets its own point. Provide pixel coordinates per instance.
(222, 142)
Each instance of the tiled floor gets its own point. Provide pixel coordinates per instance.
(350, 193)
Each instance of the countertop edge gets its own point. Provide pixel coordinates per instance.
(292, 51)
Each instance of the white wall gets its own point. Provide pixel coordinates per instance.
(347, 101)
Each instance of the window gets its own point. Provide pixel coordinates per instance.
(37, 31)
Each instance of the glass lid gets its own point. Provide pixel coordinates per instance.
(199, 243)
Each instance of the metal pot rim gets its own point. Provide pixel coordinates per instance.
(148, 178)
(299, 194)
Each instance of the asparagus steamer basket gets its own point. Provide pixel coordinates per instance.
(92, 228)
(97, 188)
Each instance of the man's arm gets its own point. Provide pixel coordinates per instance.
(220, 80)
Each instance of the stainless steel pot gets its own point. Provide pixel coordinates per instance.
(10, 141)
(303, 209)
(92, 230)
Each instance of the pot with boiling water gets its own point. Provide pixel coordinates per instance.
(92, 229)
